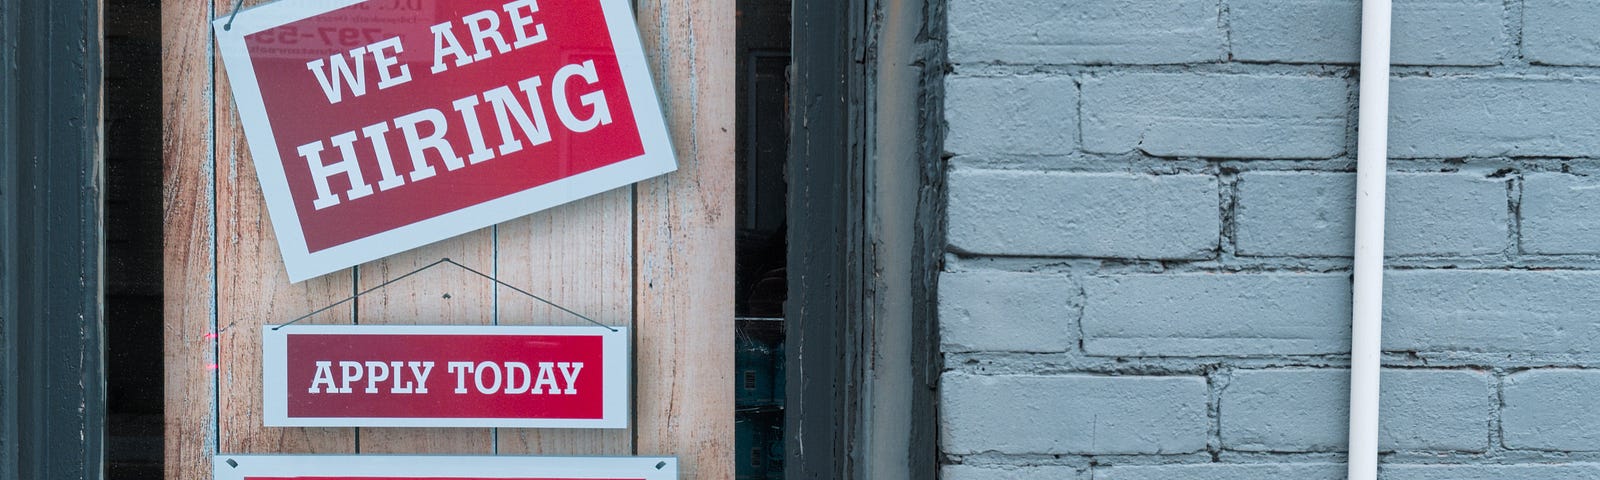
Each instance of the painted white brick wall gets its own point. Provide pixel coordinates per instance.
(1149, 221)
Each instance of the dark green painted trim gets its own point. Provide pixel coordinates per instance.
(825, 317)
(52, 394)
(842, 196)
(929, 243)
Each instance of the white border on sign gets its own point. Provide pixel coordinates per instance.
(302, 264)
(275, 377)
(442, 466)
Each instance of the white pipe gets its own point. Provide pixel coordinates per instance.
(1367, 301)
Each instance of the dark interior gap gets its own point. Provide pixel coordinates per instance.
(133, 236)
(761, 199)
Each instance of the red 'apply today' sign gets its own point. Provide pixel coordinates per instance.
(379, 126)
(445, 376)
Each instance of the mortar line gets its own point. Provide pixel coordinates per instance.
(1514, 189)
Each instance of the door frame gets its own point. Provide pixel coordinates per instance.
(866, 201)
(52, 343)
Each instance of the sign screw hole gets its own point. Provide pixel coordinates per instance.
(232, 463)
(659, 465)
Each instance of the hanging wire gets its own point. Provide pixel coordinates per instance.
(435, 264)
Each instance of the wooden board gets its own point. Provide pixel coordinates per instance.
(253, 289)
(580, 256)
(684, 269)
(657, 257)
(188, 248)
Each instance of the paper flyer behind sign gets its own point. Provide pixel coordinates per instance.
(379, 126)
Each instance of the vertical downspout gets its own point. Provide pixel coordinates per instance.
(1367, 301)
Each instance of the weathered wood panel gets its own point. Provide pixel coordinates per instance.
(667, 249)
(684, 318)
(253, 289)
(579, 255)
(188, 248)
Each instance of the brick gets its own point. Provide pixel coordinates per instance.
(1426, 32)
(1307, 410)
(1451, 117)
(1083, 214)
(1300, 214)
(1216, 314)
(1019, 115)
(1561, 32)
(1513, 311)
(1048, 472)
(1570, 471)
(1086, 31)
(1552, 410)
(1215, 116)
(1007, 311)
(1222, 471)
(1444, 214)
(1560, 214)
(1073, 414)
(1296, 214)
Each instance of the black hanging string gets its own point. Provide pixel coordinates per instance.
(435, 264)
(229, 26)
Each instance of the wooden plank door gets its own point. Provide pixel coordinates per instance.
(657, 257)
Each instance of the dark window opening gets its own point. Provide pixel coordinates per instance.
(763, 39)
(133, 263)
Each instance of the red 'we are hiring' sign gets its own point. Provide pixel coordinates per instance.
(379, 126)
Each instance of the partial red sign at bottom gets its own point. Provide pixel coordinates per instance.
(440, 467)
